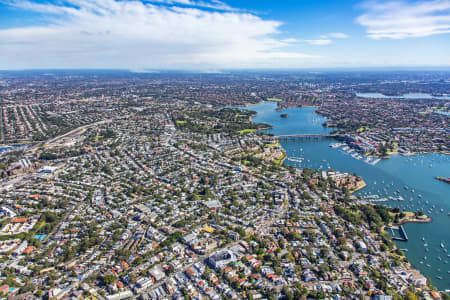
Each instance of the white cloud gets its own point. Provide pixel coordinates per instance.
(290, 40)
(318, 42)
(337, 35)
(135, 34)
(214, 4)
(325, 39)
(399, 19)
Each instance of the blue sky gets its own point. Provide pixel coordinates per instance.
(213, 35)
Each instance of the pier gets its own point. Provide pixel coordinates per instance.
(402, 233)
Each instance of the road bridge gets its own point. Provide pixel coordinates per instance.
(305, 136)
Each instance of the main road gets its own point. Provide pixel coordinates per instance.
(1, 122)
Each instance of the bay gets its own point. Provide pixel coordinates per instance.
(408, 177)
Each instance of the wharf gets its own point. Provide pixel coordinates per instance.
(402, 232)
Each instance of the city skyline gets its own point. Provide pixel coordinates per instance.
(215, 35)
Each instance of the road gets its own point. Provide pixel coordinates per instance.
(1, 122)
(76, 131)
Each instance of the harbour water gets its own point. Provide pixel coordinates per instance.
(411, 178)
(405, 96)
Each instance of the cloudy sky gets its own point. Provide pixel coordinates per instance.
(213, 35)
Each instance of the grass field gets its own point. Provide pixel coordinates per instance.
(364, 128)
(244, 131)
(280, 160)
(272, 145)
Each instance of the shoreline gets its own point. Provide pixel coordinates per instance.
(388, 156)
(415, 220)
(401, 222)
(409, 153)
(410, 217)
(363, 185)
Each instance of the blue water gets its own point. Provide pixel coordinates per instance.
(392, 174)
(405, 96)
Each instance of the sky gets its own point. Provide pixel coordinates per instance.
(213, 35)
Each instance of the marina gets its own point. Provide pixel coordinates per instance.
(349, 151)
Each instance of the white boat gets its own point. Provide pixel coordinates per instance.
(375, 162)
(336, 145)
(295, 159)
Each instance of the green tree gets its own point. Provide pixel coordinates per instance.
(108, 279)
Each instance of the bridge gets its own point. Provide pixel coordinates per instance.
(306, 136)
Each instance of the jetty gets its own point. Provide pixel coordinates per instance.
(403, 236)
(295, 159)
